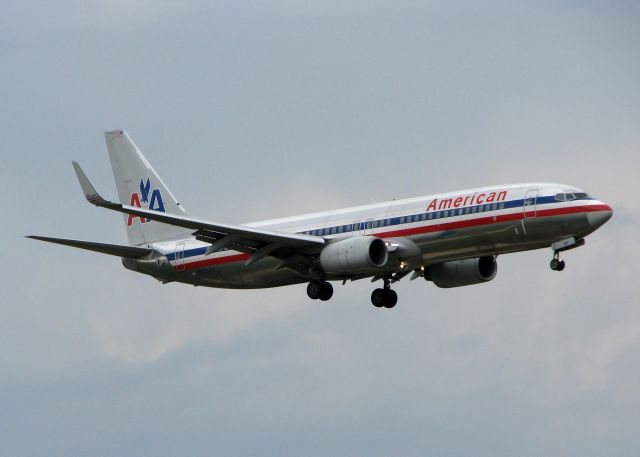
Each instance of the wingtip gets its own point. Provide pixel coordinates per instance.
(90, 192)
(37, 238)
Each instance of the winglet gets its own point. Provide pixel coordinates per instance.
(90, 192)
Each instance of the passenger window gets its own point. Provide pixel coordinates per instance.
(445, 214)
(494, 206)
(375, 224)
(501, 206)
(430, 216)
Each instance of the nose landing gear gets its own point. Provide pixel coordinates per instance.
(563, 245)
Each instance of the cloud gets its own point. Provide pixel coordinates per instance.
(251, 111)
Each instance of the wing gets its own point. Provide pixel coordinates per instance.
(111, 249)
(291, 248)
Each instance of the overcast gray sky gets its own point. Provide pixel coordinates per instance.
(259, 109)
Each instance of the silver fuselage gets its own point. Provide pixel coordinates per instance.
(458, 225)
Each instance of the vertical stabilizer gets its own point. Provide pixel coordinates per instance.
(139, 185)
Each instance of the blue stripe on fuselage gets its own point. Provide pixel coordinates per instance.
(407, 220)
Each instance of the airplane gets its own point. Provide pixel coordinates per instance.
(451, 239)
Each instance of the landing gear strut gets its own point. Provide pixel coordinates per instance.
(384, 296)
(556, 264)
(320, 290)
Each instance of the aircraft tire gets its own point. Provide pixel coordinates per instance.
(390, 299)
(561, 265)
(314, 290)
(554, 264)
(378, 298)
(327, 291)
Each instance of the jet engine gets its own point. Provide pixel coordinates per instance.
(462, 272)
(358, 254)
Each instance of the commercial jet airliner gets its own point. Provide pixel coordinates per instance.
(450, 239)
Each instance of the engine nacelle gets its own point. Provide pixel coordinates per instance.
(462, 272)
(358, 254)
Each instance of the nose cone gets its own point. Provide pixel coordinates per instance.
(597, 218)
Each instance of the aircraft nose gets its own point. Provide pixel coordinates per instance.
(597, 218)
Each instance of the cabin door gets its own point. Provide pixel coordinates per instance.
(529, 207)
(179, 262)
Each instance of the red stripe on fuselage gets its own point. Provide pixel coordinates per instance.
(429, 229)
(214, 261)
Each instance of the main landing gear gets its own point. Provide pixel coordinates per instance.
(320, 290)
(384, 296)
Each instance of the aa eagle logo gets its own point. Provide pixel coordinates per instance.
(138, 199)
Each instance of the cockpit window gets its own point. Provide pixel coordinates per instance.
(568, 196)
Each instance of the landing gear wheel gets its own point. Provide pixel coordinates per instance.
(390, 299)
(557, 264)
(384, 297)
(327, 291)
(378, 298)
(320, 290)
(314, 290)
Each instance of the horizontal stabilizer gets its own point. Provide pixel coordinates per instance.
(104, 248)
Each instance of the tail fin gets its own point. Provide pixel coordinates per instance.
(139, 185)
